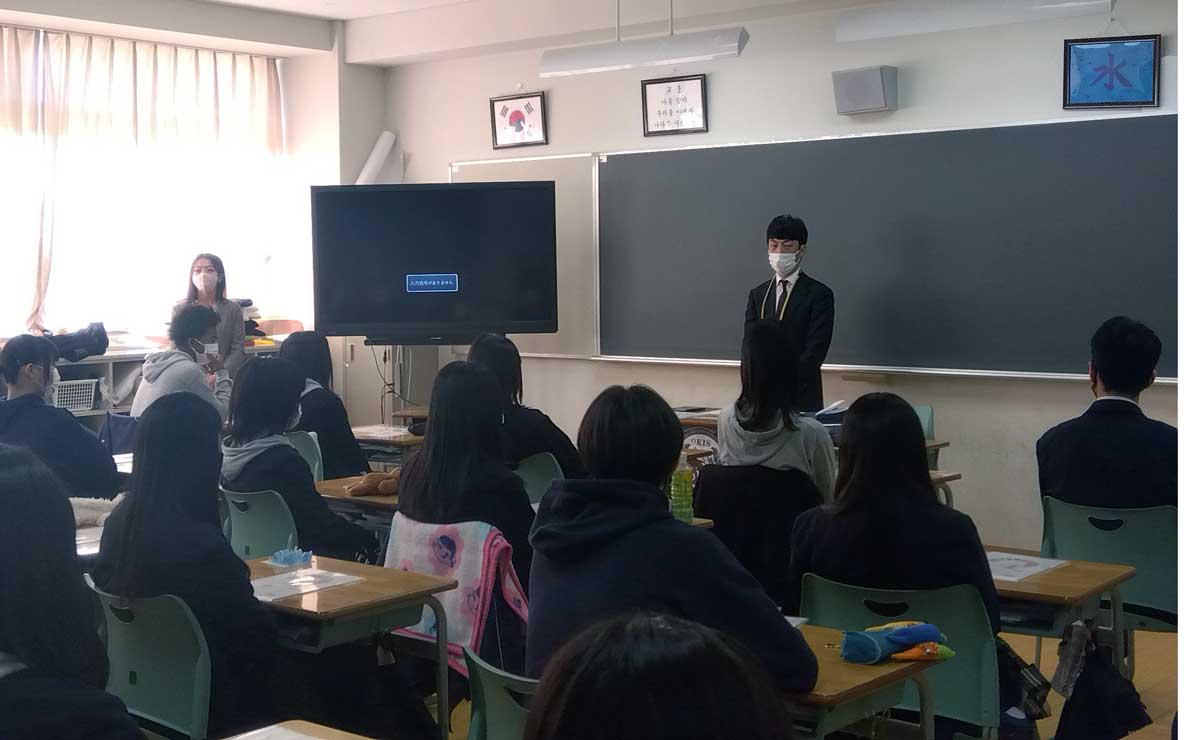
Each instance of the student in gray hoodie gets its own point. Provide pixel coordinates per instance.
(179, 369)
(765, 426)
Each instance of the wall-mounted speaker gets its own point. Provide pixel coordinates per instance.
(865, 90)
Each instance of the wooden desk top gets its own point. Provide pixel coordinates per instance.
(940, 477)
(390, 436)
(305, 729)
(1067, 585)
(411, 412)
(379, 587)
(839, 681)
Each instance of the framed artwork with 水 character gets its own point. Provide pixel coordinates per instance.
(1111, 72)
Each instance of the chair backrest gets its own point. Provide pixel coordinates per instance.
(753, 509)
(967, 686)
(117, 433)
(537, 471)
(495, 714)
(260, 523)
(158, 660)
(925, 414)
(309, 447)
(1147, 539)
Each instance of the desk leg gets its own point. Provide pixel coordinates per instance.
(1117, 609)
(925, 700)
(947, 494)
(443, 670)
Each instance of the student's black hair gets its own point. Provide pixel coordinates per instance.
(26, 349)
(1124, 355)
(191, 321)
(881, 455)
(655, 677)
(218, 265)
(769, 387)
(48, 617)
(632, 434)
(265, 396)
(309, 351)
(461, 436)
(499, 355)
(176, 468)
(788, 227)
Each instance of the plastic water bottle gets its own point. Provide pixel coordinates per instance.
(681, 490)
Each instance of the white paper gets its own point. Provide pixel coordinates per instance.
(1010, 566)
(124, 462)
(379, 431)
(796, 621)
(274, 733)
(303, 581)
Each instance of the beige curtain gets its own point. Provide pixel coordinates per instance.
(149, 153)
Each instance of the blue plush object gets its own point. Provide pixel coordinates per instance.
(291, 556)
(879, 644)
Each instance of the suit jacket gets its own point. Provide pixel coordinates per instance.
(1112, 457)
(809, 318)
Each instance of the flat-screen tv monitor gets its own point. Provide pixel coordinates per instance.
(434, 264)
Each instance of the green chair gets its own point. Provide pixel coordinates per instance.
(925, 414)
(158, 661)
(967, 686)
(260, 523)
(495, 714)
(309, 447)
(537, 471)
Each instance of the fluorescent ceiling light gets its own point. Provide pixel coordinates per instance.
(658, 51)
(909, 17)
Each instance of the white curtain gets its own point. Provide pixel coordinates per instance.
(150, 154)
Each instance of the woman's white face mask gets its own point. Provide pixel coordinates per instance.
(205, 282)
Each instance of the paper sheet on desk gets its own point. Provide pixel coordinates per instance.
(274, 733)
(1010, 566)
(378, 431)
(294, 582)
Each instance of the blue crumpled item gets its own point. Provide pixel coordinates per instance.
(291, 556)
(877, 645)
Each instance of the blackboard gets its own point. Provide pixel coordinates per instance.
(995, 249)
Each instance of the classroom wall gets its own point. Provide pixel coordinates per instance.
(780, 89)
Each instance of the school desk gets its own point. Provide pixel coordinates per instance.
(1068, 592)
(385, 599)
(386, 435)
(124, 463)
(847, 693)
(298, 730)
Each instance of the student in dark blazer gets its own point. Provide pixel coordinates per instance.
(525, 431)
(803, 305)
(165, 538)
(27, 420)
(53, 666)
(321, 410)
(257, 457)
(1114, 456)
(605, 546)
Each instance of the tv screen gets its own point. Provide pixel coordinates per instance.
(434, 264)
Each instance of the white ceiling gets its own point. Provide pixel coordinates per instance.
(339, 9)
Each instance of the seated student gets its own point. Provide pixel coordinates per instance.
(257, 457)
(1114, 456)
(765, 426)
(166, 538)
(606, 546)
(321, 411)
(67, 447)
(179, 369)
(526, 431)
(459, 474)
(53, 668)
(608, 683)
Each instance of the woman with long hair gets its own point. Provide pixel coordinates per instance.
(765, 426)
(166, 538)
(459, 475)
(53, 668)
(207, 286)
(321, 410)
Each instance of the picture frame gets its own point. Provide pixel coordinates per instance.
(675, 105)
(1112, 72)
(519, 120)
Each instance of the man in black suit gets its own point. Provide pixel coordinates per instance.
(804, 305)
(1113, 456)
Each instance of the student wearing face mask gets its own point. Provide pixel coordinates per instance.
(257, 457)
(803, 305)
(206, 287)
(179, 369)
(28, 420)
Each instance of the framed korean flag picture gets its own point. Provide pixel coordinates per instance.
(519, 120)
(674, 105)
